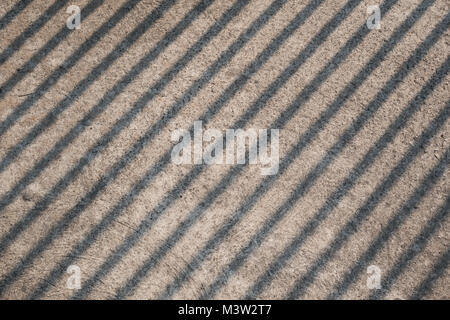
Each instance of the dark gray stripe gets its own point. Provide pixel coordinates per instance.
(13, 12)
(295, 151)
(232, 89)
(214, 108)
(81, 125)
(80, 88)
(364, 211)
(332, 153)
(377, 244)
(417, 245)
(212, 70)
(20, 226)
(34, 27)
(104, 102)
(438, 269)
(343, 189)
(34, 61)
(39, 207)
(154, 259)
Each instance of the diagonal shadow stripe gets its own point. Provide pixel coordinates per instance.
(36, 59)
(261, 59)
(34, 27)
(121, 124)
(127, 118)
(312, 131)
(357, 124)
(13, 12)
(348, 183)
(154, 259)
(438, 270)
(67, 65)
(214, 108)
(83, 85)
(212, 70)
(20, 226)
(364, 211)
(106, 100)
(379, 242)
(417, 245)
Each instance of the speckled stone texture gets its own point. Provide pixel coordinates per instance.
(86, 118)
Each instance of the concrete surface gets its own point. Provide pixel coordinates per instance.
(86, 122)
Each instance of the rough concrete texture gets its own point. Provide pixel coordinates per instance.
(85, 139)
